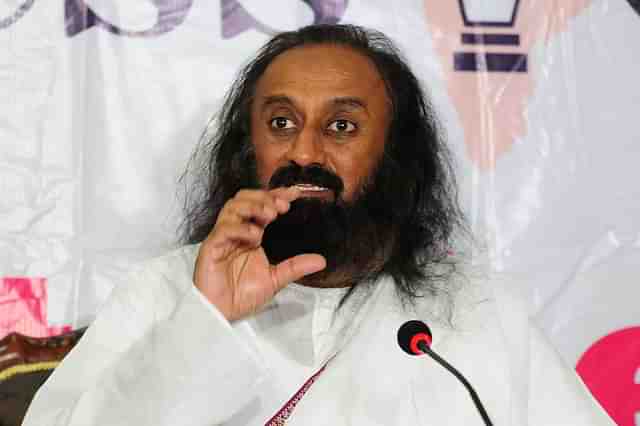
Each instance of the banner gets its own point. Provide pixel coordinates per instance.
(102, 102)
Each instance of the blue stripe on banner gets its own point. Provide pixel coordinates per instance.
(496, 39)
(491, 62)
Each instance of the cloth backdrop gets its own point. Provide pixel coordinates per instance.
(102, 102)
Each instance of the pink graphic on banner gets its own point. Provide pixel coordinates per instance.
(486, 64)
(611, 370)
(23, 308)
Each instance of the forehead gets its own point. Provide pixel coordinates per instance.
(322, 70)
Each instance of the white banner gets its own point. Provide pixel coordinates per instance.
(102, 103)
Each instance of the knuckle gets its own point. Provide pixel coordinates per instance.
(292, 268)
(242, 193)
(247, 194)
(226, 209)
(231, 210)
(220, 225)
(254, 230)
(268, 197)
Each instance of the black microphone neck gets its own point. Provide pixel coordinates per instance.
(474, 396)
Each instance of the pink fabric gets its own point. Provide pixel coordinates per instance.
(23, 307)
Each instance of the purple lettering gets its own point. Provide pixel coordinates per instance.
(236, 19)
(171, 13)
(473, 23)
(19, 13)
(327, 11)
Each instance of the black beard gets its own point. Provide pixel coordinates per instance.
(310, 226)
(353, 237)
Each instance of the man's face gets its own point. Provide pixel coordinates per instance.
(323, 105)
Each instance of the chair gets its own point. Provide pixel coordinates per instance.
(25, 364)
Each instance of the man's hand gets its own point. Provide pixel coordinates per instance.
(232, 270)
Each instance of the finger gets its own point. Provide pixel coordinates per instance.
(287, 194)
(247, 233)
(241, 210)
(295, 268)
(279, 198)
(284, 197)
(254, 194)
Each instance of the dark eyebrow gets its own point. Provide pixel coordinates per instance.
(350, 103)
(347, 102)
(268, 101)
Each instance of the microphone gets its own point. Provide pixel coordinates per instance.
(414, 337)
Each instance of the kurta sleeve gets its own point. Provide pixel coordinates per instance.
(158, 354)
(557, 396)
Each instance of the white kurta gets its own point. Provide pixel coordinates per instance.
(160, 354)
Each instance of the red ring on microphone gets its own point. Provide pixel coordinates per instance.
(420, 337)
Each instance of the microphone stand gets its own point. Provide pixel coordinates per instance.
(474, 396)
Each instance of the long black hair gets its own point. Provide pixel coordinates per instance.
(416, 174)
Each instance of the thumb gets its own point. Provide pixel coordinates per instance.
(295, 268)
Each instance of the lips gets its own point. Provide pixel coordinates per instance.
(312, 181)
(310, 187)
(315, 191)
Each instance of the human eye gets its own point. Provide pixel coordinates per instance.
(342, 126)
(281, 123)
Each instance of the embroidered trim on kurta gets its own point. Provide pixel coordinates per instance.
(283, 414)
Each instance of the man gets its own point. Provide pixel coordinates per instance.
(324, 223)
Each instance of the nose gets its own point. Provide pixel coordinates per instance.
(306, 149)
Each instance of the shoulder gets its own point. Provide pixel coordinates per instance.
(479, 301)
(473, 291)
(507, 302)
(509, 294)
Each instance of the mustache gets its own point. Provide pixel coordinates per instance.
(293, 174)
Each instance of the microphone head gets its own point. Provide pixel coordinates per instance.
(411, 334)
